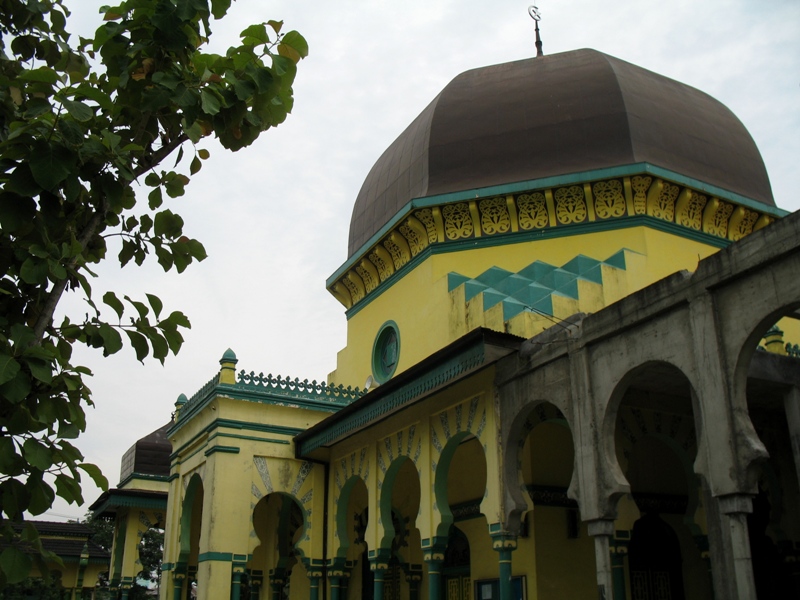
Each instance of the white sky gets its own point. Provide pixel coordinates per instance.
(274, 217)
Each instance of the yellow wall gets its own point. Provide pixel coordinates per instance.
(421, 307)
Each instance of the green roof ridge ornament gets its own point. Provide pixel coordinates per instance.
(229, 357)
(182, 399)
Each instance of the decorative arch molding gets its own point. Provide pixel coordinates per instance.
(386, 511)
(448, 429)
(526, 419)
(342, 515)
(298, 480)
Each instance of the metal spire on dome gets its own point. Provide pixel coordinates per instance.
(533, 11)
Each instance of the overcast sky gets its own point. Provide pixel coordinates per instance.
(274, 217)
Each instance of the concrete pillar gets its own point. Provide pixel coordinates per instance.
(602, 531)
(377, 583)
(177, 586)
(236, 586)
(618, 554)
(434, 577)
(791, 404)
(735, 509)
(335, 585)
(504, 544)
(313, 590)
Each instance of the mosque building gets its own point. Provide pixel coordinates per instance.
(571, 369)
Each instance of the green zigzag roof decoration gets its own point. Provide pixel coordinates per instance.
(534, 286)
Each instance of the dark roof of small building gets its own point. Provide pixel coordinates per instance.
(67, 540)
(555, 115)
(149, 455)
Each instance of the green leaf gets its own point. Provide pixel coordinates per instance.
(78, 110)
(37, 454)
(68, 489)
(195, 166)
(8, 368)
(219, 8)
(42, 496)
(97, 476)
(34, 271)
(139, 343)
(110, 299)
(41, 75)
(179, 319)
(154, 199)
(50, 164)
(255, 34)
(112, 340)
(156, 303)
(296, 41)
(41, 370)
(15, 564)
(209, 102)
(152, 180)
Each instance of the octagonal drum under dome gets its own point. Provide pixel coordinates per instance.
(566, 113)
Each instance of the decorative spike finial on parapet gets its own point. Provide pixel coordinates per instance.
(227, 371)
(182, 399)
(533, 11)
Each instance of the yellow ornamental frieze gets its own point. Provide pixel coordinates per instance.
(532, 211)
(425, 217)
(398, 249)
(689, 209)
(370, 282)
(382, 260)
(457, 221)
(494, 216)
(609, 200)
(741, 223)
(415, 235)
(356, 464)
(570, 205)
(715, 218)
(640, 185)
(662, 206)
(355, 293)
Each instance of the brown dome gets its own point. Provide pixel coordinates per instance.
(555, 115)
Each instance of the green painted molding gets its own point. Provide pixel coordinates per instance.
(541, 234)
(211, 430)
(144, 476)
(449, 370)
(551, 182)
(215, 556)
(223, 449)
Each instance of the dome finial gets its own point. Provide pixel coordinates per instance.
(533, 11)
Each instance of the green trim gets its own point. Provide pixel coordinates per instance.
(240, 425)
(173, 477)
(144, 476)
(550, 182)
(449, 370)
(252, 393)
(167, 566)
(541, 234)
(379, 370)
(249, 437)
(215, 556)
(224, 449)
(124, 501)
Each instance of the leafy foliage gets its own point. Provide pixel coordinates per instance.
(83, 123)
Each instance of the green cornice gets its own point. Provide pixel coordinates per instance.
(142, 476)
(466, 355)
(211, 431)
(552, 182)
(119, 499)
(544, 234)
(224, 449)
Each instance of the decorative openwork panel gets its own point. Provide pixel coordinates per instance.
(531, 211)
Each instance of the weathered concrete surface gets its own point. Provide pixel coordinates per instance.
(705, 325)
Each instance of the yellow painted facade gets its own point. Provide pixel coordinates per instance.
(453, 477)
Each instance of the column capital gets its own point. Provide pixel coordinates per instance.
(503, 541)
(379, 559)
(433, 549)
(601, 527)
(735, 503)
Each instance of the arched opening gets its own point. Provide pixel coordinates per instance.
(772, 386)
(460, 487)
(279, 523)
(352, 517)
(399, 505)
(551, 532)
(662, 522)
(189, 536)
(456, 566)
